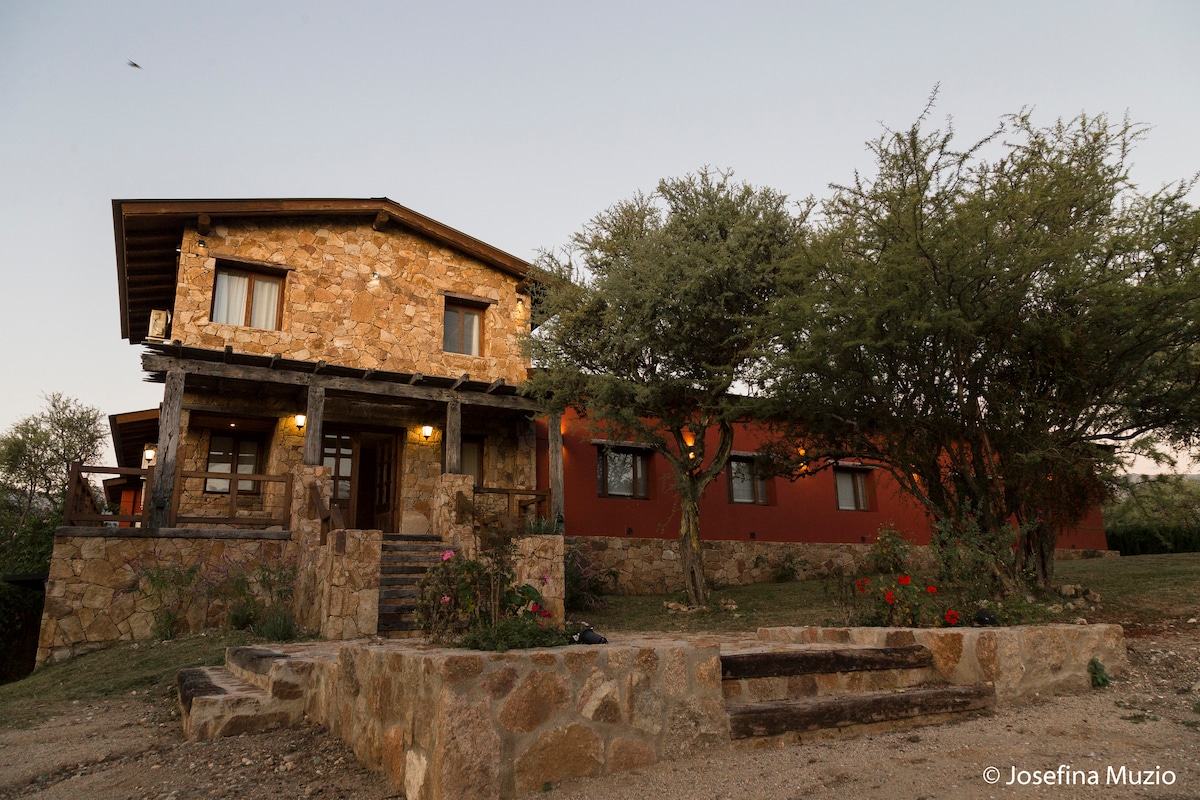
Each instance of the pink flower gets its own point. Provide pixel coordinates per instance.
(445, 598)
(446, 556)
(534, 607)
(545, 578)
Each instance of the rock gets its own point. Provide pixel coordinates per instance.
(1091, 597)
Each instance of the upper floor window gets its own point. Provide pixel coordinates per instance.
(746, 482)
(463, 328)
(623, 472)
(249, 299)
(853, 489)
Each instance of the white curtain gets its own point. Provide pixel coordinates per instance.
(265, 308)
(229, 298)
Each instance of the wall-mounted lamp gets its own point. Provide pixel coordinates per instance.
(426, 431)
(300, 420)
(201, 243)
(149, 455)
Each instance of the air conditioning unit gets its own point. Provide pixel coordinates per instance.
(160, 323)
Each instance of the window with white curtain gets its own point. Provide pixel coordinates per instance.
(249, 299)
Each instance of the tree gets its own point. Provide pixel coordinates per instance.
(35, 459)
(992, 326)
(655, 312)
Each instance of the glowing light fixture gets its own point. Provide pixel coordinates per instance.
(426, 431)
(301, 419)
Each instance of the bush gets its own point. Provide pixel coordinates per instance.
(890, 552)
(513, 633)
(586, 583)
(1146, 538)
(278, 624)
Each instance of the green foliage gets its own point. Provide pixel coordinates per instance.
(172, 586)
(977, 561)
(890, 552)
(1148, 538)
(20, 621)
(586, 583)
(475, 599)
(654, 313)
(512, 633)
(784, 569)
(976, 319)
(1099, 675)
(277, 624)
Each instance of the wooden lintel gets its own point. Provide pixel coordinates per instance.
(160, 363)
(461, 380)
(494, 385)
(203, 225)
(381, 221)
(415, 378)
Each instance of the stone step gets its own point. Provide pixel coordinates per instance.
(413, 537)
(414, 547)
(846, 712)
(428, 559)
(397, 622)
(215, 703)
(806, 660)
(394, 592)
(411, 579)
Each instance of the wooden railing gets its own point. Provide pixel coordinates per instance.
(330, 516)
(81, 508)
(235, 513)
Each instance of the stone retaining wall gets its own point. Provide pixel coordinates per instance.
(1020, 661)
(653, 566)
(452, 724)
(92, 595)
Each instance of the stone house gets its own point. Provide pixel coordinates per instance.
(353, 362)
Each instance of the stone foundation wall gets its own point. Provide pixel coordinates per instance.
(1020, 661)
(520, 718)
(653, 566)
(92, 594)
(539, 563)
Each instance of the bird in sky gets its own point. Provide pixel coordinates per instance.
(134, 64)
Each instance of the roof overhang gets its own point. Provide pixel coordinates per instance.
(148, 233)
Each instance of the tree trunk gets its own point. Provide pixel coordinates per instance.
(689, 549)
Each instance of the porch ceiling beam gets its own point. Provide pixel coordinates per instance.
(496, 384)
(156, 362)
(461, 380)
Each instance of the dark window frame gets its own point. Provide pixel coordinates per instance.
(253, 275)
(639, 472)
(863, 491)
(461, 309)
(760, 486)
(237, 442)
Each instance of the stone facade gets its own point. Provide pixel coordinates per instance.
(461, 725)
(92, 595)
(354, 296)
(1022, 661)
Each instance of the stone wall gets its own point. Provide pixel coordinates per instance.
(1021, 661)
(652, 566)
(540, 564)
(353, 296)
(92, 594)
(453, 724)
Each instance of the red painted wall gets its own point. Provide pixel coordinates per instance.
(803, 510)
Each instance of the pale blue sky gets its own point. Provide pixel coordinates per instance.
(514, 122)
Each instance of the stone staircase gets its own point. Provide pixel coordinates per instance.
(786, 694)
(405, 560)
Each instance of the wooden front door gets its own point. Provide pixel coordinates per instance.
(365, 468)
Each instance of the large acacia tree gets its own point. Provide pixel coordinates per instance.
(993, 325)
(654, 319)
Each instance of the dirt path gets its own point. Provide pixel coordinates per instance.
(1148, 721)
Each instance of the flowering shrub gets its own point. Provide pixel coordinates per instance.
(890, 551)
(901, 601)
(475, 602)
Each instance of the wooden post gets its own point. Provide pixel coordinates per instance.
(315, 414)
(170, 416)
(453, 439)
(554, 425)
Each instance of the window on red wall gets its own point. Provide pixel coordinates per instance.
(746, 482)
(853, 489)
(623, 472)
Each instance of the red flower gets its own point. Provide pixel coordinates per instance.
(905, 580)
(890, 597)
(931, 589)
(861, 585)
(951, 617)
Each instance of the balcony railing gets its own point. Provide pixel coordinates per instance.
(515, 503)
(219, 498)
(82, 507)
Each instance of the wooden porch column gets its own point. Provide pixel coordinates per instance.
(315, 414)
(554, 426)
(169, 417)
(453, 439)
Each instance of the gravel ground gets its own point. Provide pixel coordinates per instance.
(1148, 721)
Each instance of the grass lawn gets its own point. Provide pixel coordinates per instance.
(1137, 590)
